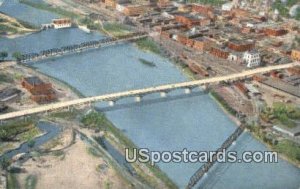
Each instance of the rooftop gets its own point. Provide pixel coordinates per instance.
(34, 80)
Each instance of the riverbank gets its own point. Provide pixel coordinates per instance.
(47, 7)
(12, 28)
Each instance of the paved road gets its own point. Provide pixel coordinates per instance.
(141, 92)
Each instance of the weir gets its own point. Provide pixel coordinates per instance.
(206, 167)
(77, 48)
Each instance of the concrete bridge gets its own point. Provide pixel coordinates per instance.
(77, 48)
(139, 93)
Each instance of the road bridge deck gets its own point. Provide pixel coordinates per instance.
(141, 92)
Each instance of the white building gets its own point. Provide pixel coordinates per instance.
(61, 23)
(252, 58)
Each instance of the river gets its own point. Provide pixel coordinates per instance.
(193, 121)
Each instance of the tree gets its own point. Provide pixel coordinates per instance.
(3, 55)
(17, 55)
(4, 163)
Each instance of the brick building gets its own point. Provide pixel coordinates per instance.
(241, 46)
(41, 92)
(202, 44)
(187, 20)
(275, 31)
(219, 52)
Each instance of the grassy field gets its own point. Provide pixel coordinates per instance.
(12, 182)
(11, 26)
(148, 45)
(289, 149)
(282, 114)
(115, 29)
(4, 78)
(9, 131)
(46, 7)
(208, 2)
(31, 181)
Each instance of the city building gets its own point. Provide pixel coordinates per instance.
(252, 58)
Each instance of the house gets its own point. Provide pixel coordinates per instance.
(252, 58)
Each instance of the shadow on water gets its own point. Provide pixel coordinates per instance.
(154, 100)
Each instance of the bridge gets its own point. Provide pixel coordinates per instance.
(206, 167)
(76, 48)
(139, 93)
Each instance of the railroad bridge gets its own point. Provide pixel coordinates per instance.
(76, 48)
(206, 167)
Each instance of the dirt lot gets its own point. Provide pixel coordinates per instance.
(75, 169)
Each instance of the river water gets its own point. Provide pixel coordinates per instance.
(193, 121)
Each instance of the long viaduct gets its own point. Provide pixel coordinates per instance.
(139, 93)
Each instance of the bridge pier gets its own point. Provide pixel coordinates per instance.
(187, 90)
(138, 98)
(111, 103)
(163, 94)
